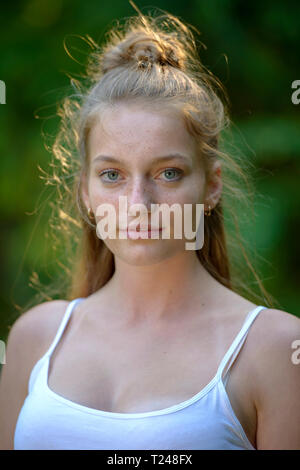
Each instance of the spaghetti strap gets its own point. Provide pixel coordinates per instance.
(237, 343)
(62, 325)
(35, 375)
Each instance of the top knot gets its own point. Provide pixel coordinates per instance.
(144, 50)
(148, 52)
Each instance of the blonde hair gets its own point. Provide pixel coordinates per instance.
(152, 60)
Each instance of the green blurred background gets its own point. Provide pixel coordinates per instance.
(252, 47)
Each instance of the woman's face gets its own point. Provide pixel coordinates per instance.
(136, 139)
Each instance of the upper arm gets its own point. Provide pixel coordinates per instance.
(278, 383)
(28, 340)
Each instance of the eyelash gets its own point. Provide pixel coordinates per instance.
(167, 169)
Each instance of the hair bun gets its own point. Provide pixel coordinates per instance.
(144, 50)
(148, 52)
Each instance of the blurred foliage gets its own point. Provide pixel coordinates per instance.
(252, 47)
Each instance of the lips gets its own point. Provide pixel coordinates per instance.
(142, 231)
(138, 229)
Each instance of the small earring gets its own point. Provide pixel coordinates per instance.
(209, 211)
(90, 214)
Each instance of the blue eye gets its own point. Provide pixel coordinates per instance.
(110, 172)
(170, 172)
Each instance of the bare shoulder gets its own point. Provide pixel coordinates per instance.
(274, 330)
(29, 338)
(32, 333)
(274, 333)
(39, 322)
(276, 369)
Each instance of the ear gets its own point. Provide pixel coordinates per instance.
(215, 185)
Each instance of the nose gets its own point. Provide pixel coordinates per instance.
(139, 193)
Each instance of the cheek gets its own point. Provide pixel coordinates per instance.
(196, 189)
(191, 192)
(99, 195)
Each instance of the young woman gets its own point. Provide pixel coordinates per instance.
(154, 348)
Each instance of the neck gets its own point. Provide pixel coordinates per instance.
(161, 291)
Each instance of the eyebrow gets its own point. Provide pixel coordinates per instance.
(178, 156)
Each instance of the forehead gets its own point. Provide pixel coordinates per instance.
(123, 129)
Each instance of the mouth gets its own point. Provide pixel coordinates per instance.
(135, 232)
(138, 229)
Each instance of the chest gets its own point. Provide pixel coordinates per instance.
(140, 372)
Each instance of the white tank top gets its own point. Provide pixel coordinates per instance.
(48, 421)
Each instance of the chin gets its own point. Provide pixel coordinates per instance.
(144, 254)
